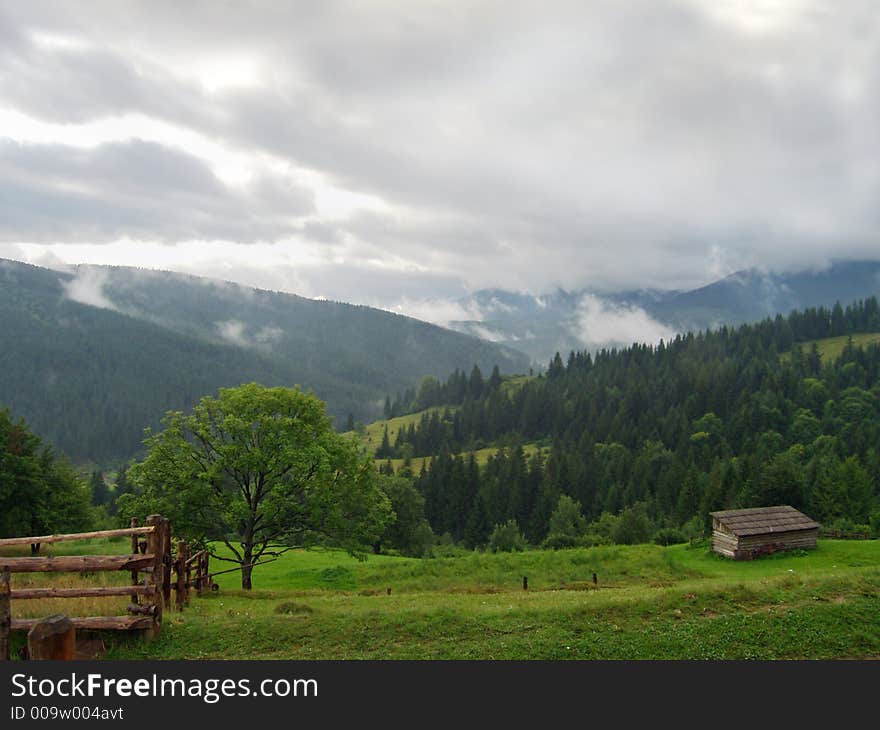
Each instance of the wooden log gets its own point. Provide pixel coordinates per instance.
(93, 623)
(134, 550)
(155, 549)
(194, 558)
(123, 532)
(98, 592)
(5, 613)
(53, 637)
(135, 608)
(76, 563)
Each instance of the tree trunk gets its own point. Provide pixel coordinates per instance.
(247, 566)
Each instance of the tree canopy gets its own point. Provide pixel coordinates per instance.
(39, 494)
(259, 470)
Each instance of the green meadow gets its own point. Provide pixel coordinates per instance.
(831, 348)
(372, 434)
(649, 602)
(482, 457)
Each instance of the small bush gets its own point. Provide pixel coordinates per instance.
(291, 607)
(703, 543)
(694, 528)
(633, 526)
(560, 541)
(669, 536)
(338, 576)
(506, 538)
(448, 550)
(593, 539)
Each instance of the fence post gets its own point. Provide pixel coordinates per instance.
(5, 613)
(167, 562)
(181, 573)
(202, 581)
(156, 548)
(54, 637)
(134, 551)
(187, 573)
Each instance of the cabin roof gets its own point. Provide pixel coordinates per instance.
(760, 520)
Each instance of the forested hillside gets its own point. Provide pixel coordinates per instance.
(657, 437)
(89, 377)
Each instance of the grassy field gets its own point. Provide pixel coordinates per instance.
(831, 348)
(482, 456)
(650, 603)
(372, 436)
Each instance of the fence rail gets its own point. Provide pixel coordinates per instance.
(122, 532)
(845, 534)
(152, 566)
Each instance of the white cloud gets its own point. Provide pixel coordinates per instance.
(268, 336)
(87, 287)
(437, 311)
(489, 334)
(600, 322)
(235, 332)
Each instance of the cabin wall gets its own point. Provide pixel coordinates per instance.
(730, 545)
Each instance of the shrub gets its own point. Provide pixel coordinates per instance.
(694, 528)
(633, 526)
(669, 536)
(506, 538)
(567, 519)
(560, 541)
(594, 539)
(338, 576)
(603, 528)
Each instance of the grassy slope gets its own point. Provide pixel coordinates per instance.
(372, 438)
(482, 456)
(831, 348)
(652, 602)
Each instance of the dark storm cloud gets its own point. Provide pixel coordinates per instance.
(517, 144)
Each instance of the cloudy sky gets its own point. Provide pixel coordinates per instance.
(403, 154)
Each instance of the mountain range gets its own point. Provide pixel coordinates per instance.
(92, 356)
(573, 320)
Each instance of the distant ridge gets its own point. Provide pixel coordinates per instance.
(92, 356)
(558, 321)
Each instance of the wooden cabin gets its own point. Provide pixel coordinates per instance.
(744, 534)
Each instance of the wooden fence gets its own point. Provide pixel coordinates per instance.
(845, 534)
(151, 564)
